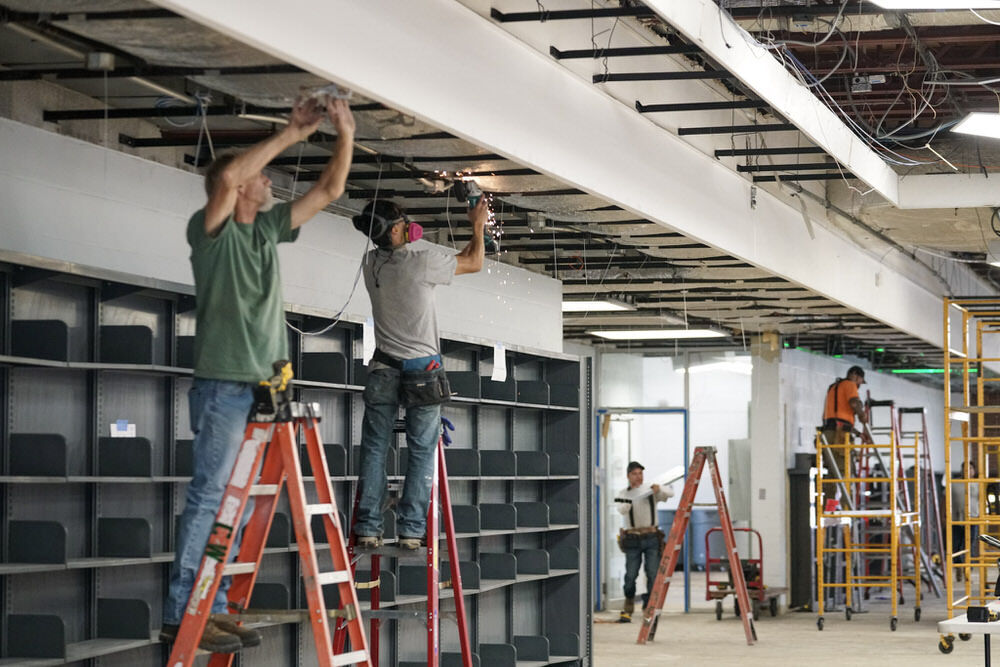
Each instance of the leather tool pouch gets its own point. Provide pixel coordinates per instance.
(418, 388)
(629, 541)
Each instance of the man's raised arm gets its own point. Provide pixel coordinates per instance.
(331, 182)
(470, 258)
(247, 165)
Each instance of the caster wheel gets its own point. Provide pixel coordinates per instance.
(756, 610)
(774, 606)
(946, 644)
(847, 613)
(916, 614)
(819, 623)
(718, 611)
(736, 607)
(964, 636)
(893, 623)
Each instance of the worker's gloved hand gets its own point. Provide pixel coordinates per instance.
(446, 426)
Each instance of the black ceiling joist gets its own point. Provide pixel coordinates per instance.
(421, 194)
(789, 150)
(567, 14)
(680, 49)
(737, 129)
(50, 116)
(662, 76)
(804, 177)
(151, 71)
(700, 106)
(12, 16)
(805, 166)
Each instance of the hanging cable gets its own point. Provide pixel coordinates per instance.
(357, 274)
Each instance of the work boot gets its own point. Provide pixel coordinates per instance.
(626, 615)
(368, 542)
(213, 640)
(248, 636)
(409, 543)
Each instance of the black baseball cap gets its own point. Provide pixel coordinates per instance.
(857, 370)
(635, 464)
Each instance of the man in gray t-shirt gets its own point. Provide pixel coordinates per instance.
(400, 280)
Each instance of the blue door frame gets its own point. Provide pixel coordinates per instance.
(597, 494)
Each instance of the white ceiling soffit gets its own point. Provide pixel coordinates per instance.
(446, 64)
(714, 31)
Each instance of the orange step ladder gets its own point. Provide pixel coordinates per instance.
(271, 437)
(439, 492)
(668, 562)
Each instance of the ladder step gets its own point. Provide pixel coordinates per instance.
(322, 508)
(239, 568)
(335, 577)
(264, 490)
(352, 658)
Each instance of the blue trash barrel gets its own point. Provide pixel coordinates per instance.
(701, 522)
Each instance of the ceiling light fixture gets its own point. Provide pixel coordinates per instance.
(937, 4)
(980, 123)
(655, 334)
(595, 305)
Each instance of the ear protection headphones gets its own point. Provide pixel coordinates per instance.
(374, 226)
(377, 227)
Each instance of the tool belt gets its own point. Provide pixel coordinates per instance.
(417, 387)
(633, 538)
(838, 424)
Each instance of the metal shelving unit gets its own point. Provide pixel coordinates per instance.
(78, 353)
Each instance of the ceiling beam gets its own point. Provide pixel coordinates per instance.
(660, 177)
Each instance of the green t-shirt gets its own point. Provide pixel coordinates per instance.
(241, 316)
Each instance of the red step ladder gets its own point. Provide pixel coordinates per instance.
(277, 437)
(668, 562)
(439, 492)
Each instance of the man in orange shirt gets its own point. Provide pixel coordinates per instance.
(842, 405)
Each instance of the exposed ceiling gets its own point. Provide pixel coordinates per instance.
(177, 91)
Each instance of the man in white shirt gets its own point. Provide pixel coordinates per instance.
(640, 539)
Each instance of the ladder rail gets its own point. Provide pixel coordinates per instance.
(456, 573)
(668, 560)
(220, 541)
(735, 565)
(271, 448)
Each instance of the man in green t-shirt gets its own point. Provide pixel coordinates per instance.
(240, 330)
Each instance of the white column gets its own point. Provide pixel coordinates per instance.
(768, 483)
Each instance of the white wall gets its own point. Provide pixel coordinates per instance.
(805, 378)
(789, 387)
(70, 200)
(717, 401)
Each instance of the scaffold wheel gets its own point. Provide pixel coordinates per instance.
(916, 614)
(847, 613)
(718, 610)
(946, 644)
(893, 622)
(965, 636)
(773, 606)
(819, 623)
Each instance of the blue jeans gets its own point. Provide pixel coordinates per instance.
(219, 411)
(423, 424)
(648, 550)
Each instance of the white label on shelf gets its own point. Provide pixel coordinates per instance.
(122, 429)
(368, 340)
(499, 364)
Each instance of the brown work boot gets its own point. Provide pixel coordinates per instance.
(213, 640)
(626, 615)
(248, 636)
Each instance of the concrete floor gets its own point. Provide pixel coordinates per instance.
(698, 638)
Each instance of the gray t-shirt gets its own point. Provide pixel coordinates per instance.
(401, 285)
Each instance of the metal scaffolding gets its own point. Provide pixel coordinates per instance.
(970, 326)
